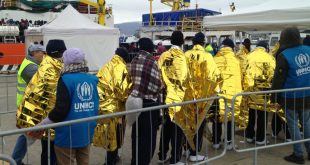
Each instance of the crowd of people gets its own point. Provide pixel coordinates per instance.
(23, 24)
(126, 84)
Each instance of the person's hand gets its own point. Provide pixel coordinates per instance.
(36, 134)
(104, 121)
(276, 106)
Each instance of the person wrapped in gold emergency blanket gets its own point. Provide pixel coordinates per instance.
(114, 88)
(243, 52)
(40, 95)
(259, 71)
(242, 55)
(174, 70)
(229, 67)
(203, 80)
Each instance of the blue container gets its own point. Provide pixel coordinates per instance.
(173, 17)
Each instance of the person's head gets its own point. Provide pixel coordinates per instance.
(122, 52)
(55, 48)
(73, 56)
(199, 39)
(228, 43)
(263, 44)
(290, 37)
(177, 38)
(36, 51)
(307, 40)
(146, 44)
(160, 44)
(247, 44)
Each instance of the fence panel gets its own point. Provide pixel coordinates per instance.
(254, 138)
(97, 154)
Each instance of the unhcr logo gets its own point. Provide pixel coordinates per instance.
(85, 91)
(302, 60)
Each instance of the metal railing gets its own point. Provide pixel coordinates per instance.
(239, 141)
(246, 144)
(5, 133)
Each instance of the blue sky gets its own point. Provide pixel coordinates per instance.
(132, 10)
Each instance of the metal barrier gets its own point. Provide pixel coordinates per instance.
(245, 145)
(148, 109)
(7, 159)
(8, 88)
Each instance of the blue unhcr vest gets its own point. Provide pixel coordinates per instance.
(298, 76)
(84, 100)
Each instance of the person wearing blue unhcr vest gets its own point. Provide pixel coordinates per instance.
(76, 98)
(293, 71)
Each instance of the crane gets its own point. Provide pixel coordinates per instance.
(100, 5)
(176, 4)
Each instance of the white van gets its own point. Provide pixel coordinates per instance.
(274, 38)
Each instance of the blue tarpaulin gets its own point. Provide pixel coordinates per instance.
(172, 17)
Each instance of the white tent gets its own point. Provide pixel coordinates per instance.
(98, 42)
(273, 15)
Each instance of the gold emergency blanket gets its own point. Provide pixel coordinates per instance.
(114, 87)
(174, 70)
(40, 95)
(241, 55)
(229, 67)
(275, 49)
(203, 75)
(258, 77)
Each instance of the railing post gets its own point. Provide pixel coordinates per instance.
(255, 157)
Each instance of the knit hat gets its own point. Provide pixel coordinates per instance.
(146, 44)
(199, 38)
(307, 40)
(228, 42)
(36, 47)
(177, 38)
(122, 52)
(263, 44)
(73, 56)
(55, 48)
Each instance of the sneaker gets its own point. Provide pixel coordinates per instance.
(295, 159)
(229, 146)
(216, 146)
(196, 158)
(186, 153)
(163, 161)
(273, 136)
(249, 140)
(264, 142)
(178, 163)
